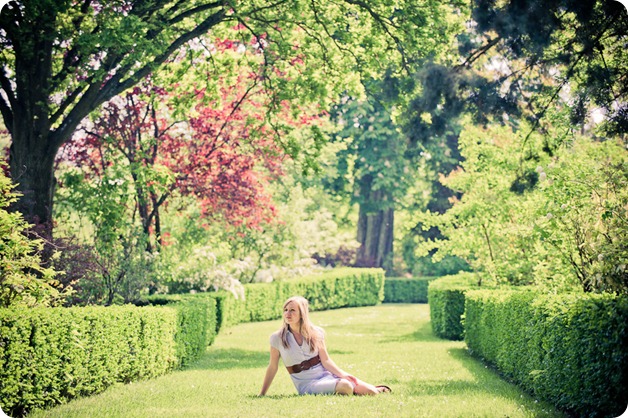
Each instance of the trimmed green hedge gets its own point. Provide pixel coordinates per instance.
(229, 310)
(406, 290)
(49, 355)
(446, 299)
(196, 328)
(197, 323)
(571, 350)
(338, 288)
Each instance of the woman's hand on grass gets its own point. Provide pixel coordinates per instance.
(351, 379)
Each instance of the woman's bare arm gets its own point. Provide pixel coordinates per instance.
(271, 370)
(329, 364)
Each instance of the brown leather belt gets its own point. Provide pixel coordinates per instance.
(306, 365)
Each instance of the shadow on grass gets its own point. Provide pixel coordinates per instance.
(422, 334)
(275, 397)
(483, 381)
(339, 352)
(222, 359)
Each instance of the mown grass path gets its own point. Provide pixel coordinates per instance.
(390, 344)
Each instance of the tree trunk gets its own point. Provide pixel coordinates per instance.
(37, 126)
(375, 231)
(32, 169)
(32, 153)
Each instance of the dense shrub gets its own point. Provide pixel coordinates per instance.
(24, 280)
(196, 328)
(262, 301)
(557, 219)
(79, 265)
(403, 290)
(338, 288)
(197, 323)
(568, 349)
(446, 299)
(50, 355)
(229, 310)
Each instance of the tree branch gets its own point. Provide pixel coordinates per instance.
(261, 9)
(194, 11)
(156, 205)
(384, 24)
(97, 94)
(7, 115)
(72, 57)
(488, 241)
(174, 8)
(321, 43)
(475, 55)
(5, 85)
(6, 108)
(210, 22)
(66, 103)
(235, 108)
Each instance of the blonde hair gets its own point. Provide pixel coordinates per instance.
(312, 335)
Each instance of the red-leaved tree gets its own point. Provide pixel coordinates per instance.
(224, 155)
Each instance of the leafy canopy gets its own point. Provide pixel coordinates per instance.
(84, 53)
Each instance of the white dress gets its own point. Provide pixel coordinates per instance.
(316, 380)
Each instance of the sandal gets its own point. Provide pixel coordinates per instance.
(383, 389)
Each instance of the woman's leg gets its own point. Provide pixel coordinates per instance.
(344, 387)
(364, 388)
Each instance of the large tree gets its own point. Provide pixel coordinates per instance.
(566, 53)
(62, 59)
(374, 170)
(553, 63)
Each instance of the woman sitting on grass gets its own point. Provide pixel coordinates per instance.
(302, 346)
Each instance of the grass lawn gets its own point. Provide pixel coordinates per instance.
(386, 344)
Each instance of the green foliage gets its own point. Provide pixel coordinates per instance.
(446, 297)
(489, 227)
(427, 266)
(584, 216)
(526, 217)
(201, 271)
(23, 278)
(300, 51)
(197, 323)
(553, 41)
(567, 349)
(376, 161)
(50, 355)
(374, 157)
(229, 310)
(121, 267)
(204, 256)
(311, 225)
(406, 290)
(372, 169)
(337, 288)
